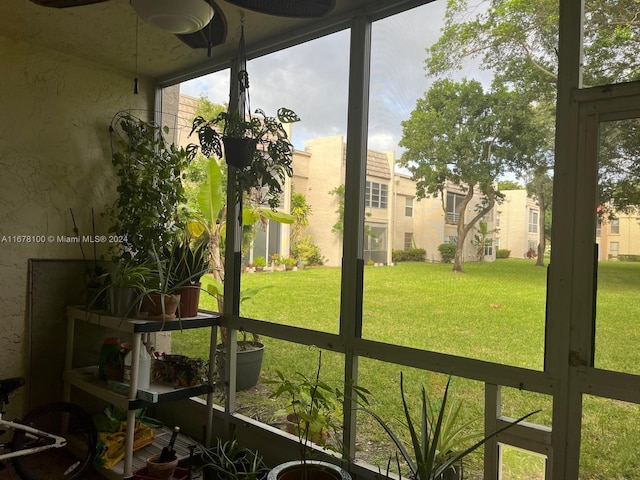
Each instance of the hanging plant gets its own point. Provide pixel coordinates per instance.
(259, 148)
(255, 144)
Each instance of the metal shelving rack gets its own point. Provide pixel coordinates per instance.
(86, 378)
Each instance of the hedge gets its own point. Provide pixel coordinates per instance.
(410, 255)
(503, 253)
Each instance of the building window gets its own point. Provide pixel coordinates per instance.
(375, 243)
(614, 248)
(488, 248)
(375, 195)
(598, 227)
(454, 202)
(408, 240)
(451, 239)
(408, 206)
(533, 221)
(614, 226)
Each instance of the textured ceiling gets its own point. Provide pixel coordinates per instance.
(106, 33)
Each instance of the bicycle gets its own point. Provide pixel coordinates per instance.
(53, 442)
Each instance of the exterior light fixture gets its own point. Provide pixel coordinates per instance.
(175, 16)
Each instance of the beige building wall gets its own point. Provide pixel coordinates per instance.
(426, 223)
(513, 223)
(55, 156)
(619, 236)
(317, 171)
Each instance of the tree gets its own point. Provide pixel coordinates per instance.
(518, 41)
(538, 165)
(480, 240)
(540, 187)
(460, 136)
(338, 227)
(509, 185)
(300, 210)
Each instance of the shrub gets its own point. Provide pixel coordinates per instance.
(410, 255)
(628, 258)
(447, 252)
(307, 251)
(503, 253)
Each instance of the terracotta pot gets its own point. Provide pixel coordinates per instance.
(189, 299)
(152, 305)
(163, 471)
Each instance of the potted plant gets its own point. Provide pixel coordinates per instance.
(149, 171)
(289, 263)
(229, 461)
(260, 263)
(249, 352)
(314, 411)
(435, 438)
(189, 262)
(127, 281)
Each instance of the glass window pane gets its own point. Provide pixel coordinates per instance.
(431, 161)
(315, 194)
(378, 377)
(610, 439)
(610, 42)
(518, 464)
(617, 302)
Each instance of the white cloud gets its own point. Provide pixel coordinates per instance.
(312, 79)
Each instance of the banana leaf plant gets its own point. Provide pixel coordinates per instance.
(210, 220)
(435, 438)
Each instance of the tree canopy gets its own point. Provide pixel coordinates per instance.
(518, 41)
(460, 136)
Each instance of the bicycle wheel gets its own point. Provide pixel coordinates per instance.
(69, 462)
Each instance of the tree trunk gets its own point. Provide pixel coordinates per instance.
(541, 225)
(463, 230)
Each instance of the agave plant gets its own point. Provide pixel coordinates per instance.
(433, 441)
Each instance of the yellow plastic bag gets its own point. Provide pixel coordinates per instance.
(113, 443)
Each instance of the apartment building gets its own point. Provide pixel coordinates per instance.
(619, 235)
(517, 223)
(395, 219)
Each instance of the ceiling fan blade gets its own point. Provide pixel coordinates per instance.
(288, 8)
(65, 3)
(200, 39)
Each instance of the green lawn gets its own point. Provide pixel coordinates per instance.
(494, 312)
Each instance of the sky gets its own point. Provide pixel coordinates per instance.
(312, 79)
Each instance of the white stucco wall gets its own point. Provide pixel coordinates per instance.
(54, 155)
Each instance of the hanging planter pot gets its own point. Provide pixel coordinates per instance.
(238, 152)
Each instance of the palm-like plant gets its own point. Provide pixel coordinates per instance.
(434, 440)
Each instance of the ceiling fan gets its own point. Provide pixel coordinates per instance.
(200, 23)
(197, 23)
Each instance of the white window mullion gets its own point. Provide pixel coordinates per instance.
(352, 256)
